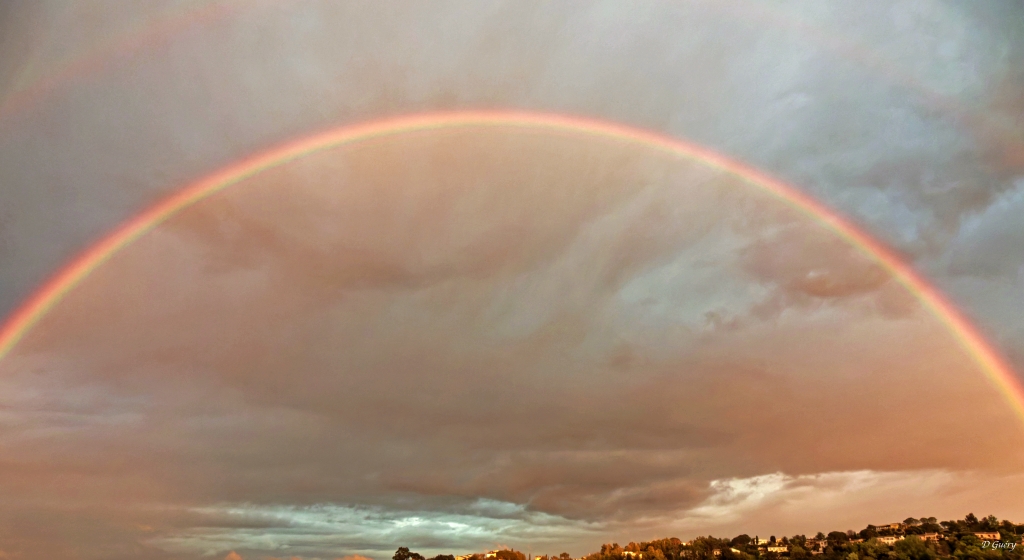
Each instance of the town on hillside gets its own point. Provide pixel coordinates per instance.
(970, 538)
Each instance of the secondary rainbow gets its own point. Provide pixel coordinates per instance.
(992, 364)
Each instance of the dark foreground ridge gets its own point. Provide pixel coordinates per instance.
(969, 538)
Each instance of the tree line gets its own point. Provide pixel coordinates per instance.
(918, 539)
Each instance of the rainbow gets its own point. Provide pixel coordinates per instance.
(50, 294)
(164, 28)
(145, 36)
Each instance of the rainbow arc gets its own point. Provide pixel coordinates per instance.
(967, 335)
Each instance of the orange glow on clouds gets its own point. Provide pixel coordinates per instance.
(51, 293)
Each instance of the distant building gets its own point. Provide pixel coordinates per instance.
(890, 540)
(988, 535)
(780, 548)
(929, 537)
(759, 541)
(632, 554)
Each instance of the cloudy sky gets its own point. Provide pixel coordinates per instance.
(486, 336)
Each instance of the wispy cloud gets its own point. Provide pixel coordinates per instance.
(459, 339)
(375, 532)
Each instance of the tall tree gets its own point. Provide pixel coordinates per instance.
(403, 553)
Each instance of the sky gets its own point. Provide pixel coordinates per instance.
(490, 336)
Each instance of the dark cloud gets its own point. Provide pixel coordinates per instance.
(986, 241)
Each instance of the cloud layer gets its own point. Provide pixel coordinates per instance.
(517, 335)
(459, 340)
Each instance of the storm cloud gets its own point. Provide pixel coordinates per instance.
(467, 338)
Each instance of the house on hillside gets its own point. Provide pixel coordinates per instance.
(632, 554)
(780, 548)
(929, 537)
(988, 535)
(890, 540)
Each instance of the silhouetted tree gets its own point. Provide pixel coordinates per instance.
(403, 554)
(838, 537)
(740, 541)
